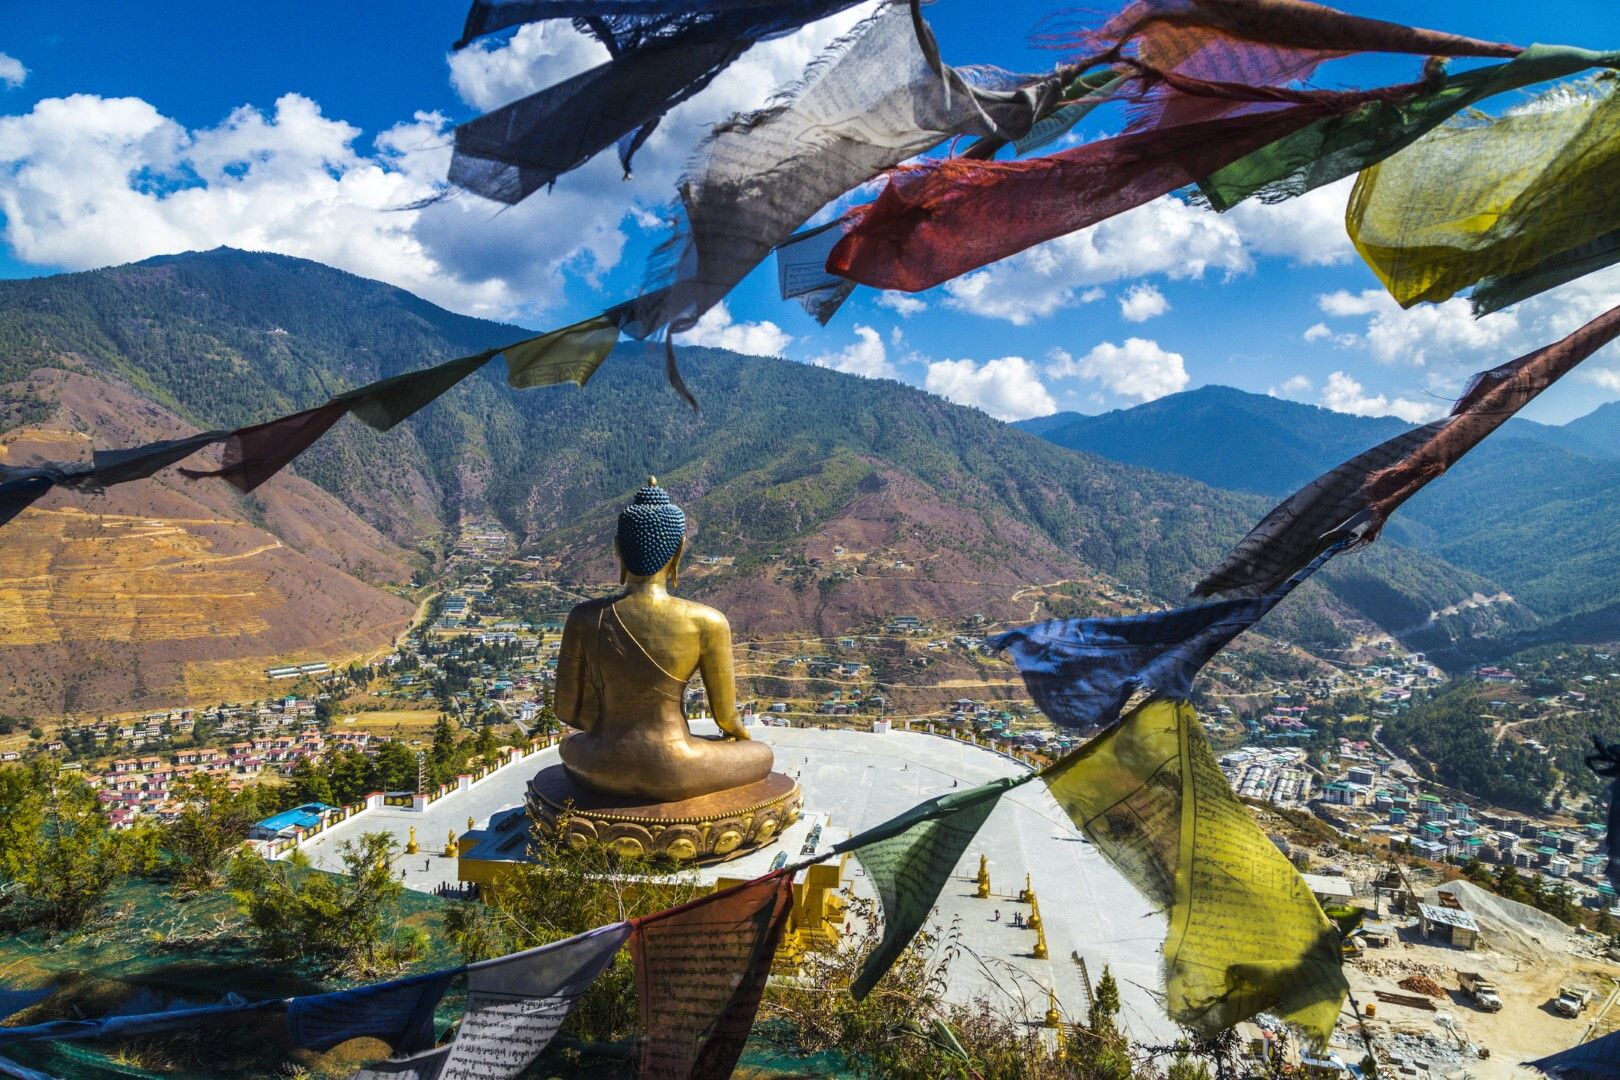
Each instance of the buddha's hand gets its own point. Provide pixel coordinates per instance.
(738, 732)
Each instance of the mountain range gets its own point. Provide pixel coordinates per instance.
(818, 501)
(1531, 509)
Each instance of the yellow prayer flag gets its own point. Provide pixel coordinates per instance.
(1246, 935)
(1488, 197)
(571, 354)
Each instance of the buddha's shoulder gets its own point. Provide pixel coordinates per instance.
(701, 613)
(589, 609)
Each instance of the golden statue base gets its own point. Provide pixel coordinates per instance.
(708, 829)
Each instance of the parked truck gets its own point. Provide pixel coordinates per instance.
(1481, 989)
(1572, 1000)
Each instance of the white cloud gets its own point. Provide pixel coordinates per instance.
(12, 72)
(1343, 394)
(717, 330)
(1139, 369)
(1317, 332)
(1142, 302)
(1009, 388)
(1165, 236)
(903, 304)
(1446, 334)
(1607, 378)
(1308, 230)
(87, 181)
(1296, 384)
(866, 357)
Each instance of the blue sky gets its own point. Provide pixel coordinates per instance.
(135, 129)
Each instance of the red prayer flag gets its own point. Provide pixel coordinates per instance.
(1490, 401)
(700, 972)
(940, 219)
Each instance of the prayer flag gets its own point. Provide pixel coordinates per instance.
(909, 859)
(1300, 526)
(428, 1065)
(939, 219)
(1081, 672)
(1369, 487)
(255, 454)
(1340, 146)
(15, 1071)
(135, 1025)
(398, 1012)
(874, 98)
(1490, 197)
(138, 463)
(1606, 763)
(660, 56)
(700, 972)
(15, 1001)
(517, 1003)
(1489, 403)
(386, 402)
(1498, 291)
(20, 489)
(571, 354)
(1595, 1060)
(1246, 935)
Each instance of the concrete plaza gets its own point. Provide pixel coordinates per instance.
(855, 780)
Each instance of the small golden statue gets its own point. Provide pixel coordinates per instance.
(633, 774)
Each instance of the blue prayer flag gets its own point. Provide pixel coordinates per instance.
(1081, 672)
(400, 1013)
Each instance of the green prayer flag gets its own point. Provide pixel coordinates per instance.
(909, 858)
(384, 403)
(1340, 146)
(571, 354)
(1246, 935)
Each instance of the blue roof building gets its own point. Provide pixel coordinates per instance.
(288, 821)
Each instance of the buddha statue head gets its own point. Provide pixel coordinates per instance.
(651, 536)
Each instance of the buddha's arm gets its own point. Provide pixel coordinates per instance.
(570, 696)
(719, 680)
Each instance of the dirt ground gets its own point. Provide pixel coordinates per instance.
(1526, 1028)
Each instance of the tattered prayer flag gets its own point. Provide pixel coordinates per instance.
(1300, 526)
(571, 354)
(517, 1003)
(1490, 198)
(660, 57)
(874, 98)
(1246, 935)
(1331, 149)
(399, 1012)
(909, 859)
(1595, 1060)
(1489, 403)
(386, 402)
(1059, 122)
(700, 972)
(491, 16)
(1368, 488)
(1081, 672)
(136, 1025)
(255, 454)
(940, 219)
(137, 463)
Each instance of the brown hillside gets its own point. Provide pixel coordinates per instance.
(170, 590)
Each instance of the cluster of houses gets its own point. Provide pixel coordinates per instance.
(1270, 774)
(146, 785)
(1454, 831)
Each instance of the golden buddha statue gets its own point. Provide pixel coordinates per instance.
(633, 774)
(623, 668)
